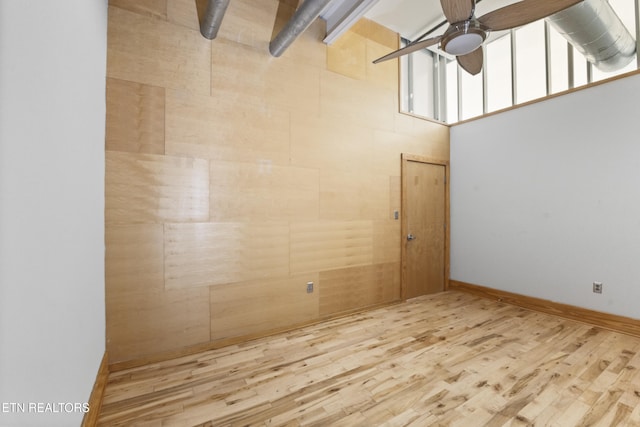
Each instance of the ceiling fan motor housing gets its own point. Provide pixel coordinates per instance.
(464, 37)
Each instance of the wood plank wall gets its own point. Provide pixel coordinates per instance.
(234, 178)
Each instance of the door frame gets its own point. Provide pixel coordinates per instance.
(405, 158)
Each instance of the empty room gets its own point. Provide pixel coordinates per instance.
(319, 212)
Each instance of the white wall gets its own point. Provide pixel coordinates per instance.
(545, 199)
(52, 115)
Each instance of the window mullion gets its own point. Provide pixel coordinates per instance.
(547, 55)
(514, 72)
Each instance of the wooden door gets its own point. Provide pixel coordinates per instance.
(424, 234)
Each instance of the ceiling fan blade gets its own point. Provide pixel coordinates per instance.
(523, 12)
(472, 62)
(458, 10)
(408, 49)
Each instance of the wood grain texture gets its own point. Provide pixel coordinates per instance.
(386, 241)
(352, 54)
(154, 8)
(308, 47)
(260, 306)
(186, 12)
(343, 96)
(445, 359)
(458, 11)
(348, 56)
(221, 129)
(407, 124)
(134, 260)
(249, 23)
(424, 216)
(150, 188)
(329, 144)
(387, 147)
(262, 192)
(343, 289)
(235, 172)
(353, 196)
(152, 322)
(90, 418)
(135, 113)
(384, 74)
(245, 74)
(143, 318)
(328, 245)
(614, 322)
(380, 41)
(406, 158)
(162, 55)
(395, 196)
(376, 33)
(472, 62)
(208, 254)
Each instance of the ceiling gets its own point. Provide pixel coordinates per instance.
(409, 18)
(412, 18)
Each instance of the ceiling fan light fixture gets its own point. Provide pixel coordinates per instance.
(463, 38)
(463, 44)
(466, 33)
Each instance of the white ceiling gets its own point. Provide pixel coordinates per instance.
(411, 18)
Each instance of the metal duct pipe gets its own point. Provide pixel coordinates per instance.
(213, 18)
(594, 29)
(308, 11)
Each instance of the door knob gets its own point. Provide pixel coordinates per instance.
(410, 237)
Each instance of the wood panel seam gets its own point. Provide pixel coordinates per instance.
(192, 247)
(225, 342)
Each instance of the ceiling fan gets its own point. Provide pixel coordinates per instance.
(466, 33)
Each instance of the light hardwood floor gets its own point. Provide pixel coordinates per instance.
(445, 359)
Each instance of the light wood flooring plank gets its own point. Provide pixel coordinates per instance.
(449, 359)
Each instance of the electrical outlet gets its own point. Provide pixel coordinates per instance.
(309, 287)
(597, 287)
